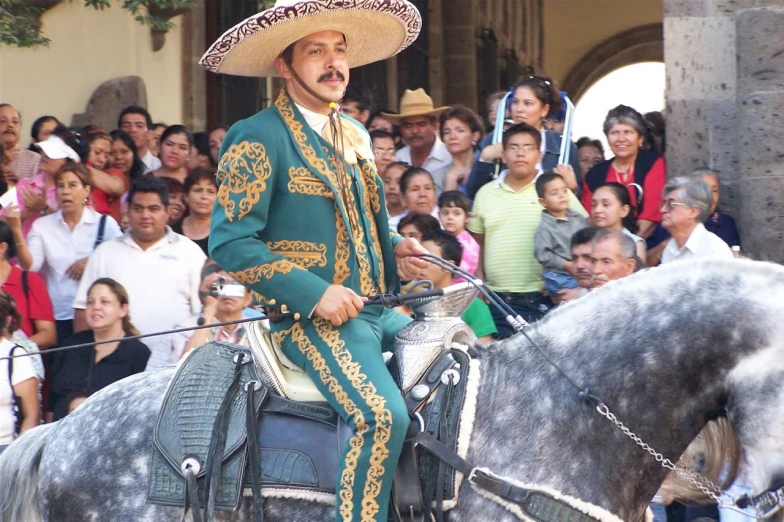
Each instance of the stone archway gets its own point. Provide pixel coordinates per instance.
(640, 44)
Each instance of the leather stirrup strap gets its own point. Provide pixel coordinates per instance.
(408, 487)
(191, 497)
(443, 436)
(254, 462)
(214, 463)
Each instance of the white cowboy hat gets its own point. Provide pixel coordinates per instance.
(374, 30)
(414, 103)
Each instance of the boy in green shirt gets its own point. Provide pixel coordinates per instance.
(478, 316)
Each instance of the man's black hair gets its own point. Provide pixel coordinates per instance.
(135, 109)
(451, 249)
(545, 179)
(522, 128)
(584, 236)
(149, 184)
(359, 94)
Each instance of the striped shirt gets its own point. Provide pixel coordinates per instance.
(508, 220)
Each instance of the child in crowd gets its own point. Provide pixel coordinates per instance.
(552, 241)
(396, 208)
(478, 317)
(417, 225)
(384, 149)
(454, 210)
(613, 210)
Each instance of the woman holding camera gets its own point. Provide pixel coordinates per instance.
(97, 366)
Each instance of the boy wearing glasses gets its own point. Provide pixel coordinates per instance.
(505, 217)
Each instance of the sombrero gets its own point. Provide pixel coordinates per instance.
(374, 30)
(414, 103)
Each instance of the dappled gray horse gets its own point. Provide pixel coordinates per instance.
(667, 350)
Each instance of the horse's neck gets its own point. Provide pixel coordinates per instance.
(661, 370)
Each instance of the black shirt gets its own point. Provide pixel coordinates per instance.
(76, 369)
(203, 242)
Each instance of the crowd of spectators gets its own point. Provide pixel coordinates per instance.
(103, 225)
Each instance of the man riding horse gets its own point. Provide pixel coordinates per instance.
(301, 219)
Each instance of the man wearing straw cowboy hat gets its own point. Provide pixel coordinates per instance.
(300, 219)
(418, 121)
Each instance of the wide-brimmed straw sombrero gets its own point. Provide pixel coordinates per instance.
(374, 30)
(414, 103)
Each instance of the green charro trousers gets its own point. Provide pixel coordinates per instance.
(346, 365)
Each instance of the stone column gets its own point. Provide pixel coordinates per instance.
(725, 102)
(460, 40)
(194, 78)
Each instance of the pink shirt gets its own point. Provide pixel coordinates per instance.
(470, 259)
(37, 183)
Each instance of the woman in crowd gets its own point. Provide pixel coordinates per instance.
(417, 225)
(612, 209)
(177, 206)
(642, 172)
(383, 150)
(125, 156)
(18, 377)
(419, 191)
(27, 289)
(105, 196)
(97, 366)
(60, 244)
(216, 140)
(42, 128)
(396, 207)
(201, 190)
(200, 151)
(154, 142)
(377, 121)
(176, 143)
(461, 130)
(532, 100)
(590, 152)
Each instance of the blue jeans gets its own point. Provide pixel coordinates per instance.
(530, 306)
(554, 282)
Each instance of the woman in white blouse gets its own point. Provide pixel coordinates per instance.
(18, 377)
(59, 244)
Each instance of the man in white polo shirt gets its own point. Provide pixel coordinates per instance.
(160, 270)
(686, 203)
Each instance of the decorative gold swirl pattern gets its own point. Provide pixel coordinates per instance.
(304, 253)
(370, 175)
(377, 403)
(356, 442)
(342, 252)
(243, 171)
(302, 181)
(370, 189)
(254, 274)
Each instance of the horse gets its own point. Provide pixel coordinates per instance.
(667, 350)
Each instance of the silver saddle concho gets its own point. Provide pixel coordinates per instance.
(436, 325)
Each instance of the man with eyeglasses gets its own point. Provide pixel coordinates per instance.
(504, 220)
(686, 204)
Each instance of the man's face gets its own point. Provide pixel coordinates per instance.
(10, 126)
(384, 153)
(391, 179)
(583, 266)
(608, 262)
(713, 183)
(440, 277)
(350, 108)
(232, 305)
(589, 156)
(419, 132)
(320, 61)
(676, 215)
(147, 217)
(521, 154)
(136, 126)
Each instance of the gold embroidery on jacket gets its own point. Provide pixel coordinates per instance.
(357, 441)
(376, 402)
(254, 274)
(342, 251)
(243, 172)
(302, 181)
(370, 190)
(370, 175)
(304, 253)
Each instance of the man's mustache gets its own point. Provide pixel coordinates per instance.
(331, 74)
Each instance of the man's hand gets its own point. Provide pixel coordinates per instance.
(567, 294)
(408, 265)
(338, 305)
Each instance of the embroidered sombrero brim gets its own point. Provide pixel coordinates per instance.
(374, 29)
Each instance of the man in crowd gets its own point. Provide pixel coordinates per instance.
(19, 163)
(686, 204)
(582, 266)
(418, 121)
(357, 102)
(613, 256)
(505, 217)
(319, 263)
(160, 269)
(137, 122)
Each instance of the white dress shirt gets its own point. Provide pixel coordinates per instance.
(701, 243)
(438, 157)
(55, 247)
(162, 284)
(23, 370)
(150, 162)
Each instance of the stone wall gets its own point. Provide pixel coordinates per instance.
(725, 102)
